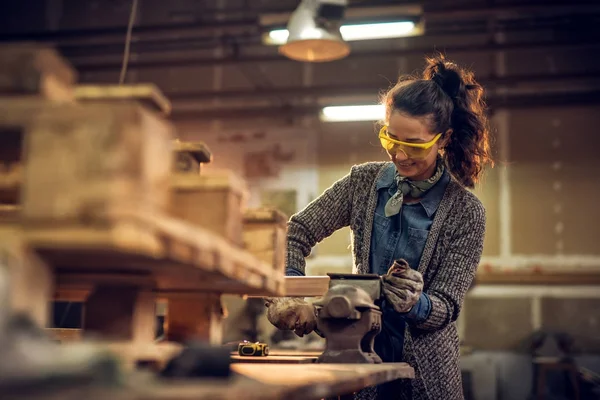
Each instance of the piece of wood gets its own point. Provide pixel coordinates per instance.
(189, 156)
(265, 236)
(194, 316)
(212, 201)
(31, 279)
(35, 69)
(180, 257)
(147, 94)
(306, 286)
(120, 313)
(101, 156)
(303, 286)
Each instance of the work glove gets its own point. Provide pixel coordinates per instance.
(402, 286)
(291, 314)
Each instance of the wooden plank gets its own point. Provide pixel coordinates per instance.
(179, 256)
(303, 286)
(101, 155)
(35, 69)
(306, 286)
(147, 94)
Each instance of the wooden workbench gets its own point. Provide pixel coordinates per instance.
(250, 382)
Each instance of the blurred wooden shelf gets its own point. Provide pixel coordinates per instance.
(147, 246)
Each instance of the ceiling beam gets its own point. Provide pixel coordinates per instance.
(288, 112)
(140, 63)
(365, 89)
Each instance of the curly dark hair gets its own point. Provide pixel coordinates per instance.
(449, 98)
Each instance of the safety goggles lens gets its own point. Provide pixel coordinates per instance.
(413, 151)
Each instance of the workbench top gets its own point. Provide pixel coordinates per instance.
(250, 382)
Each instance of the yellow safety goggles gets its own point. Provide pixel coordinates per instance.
(415, 151)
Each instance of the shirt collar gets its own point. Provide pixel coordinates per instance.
(430, 201)
(388, 178)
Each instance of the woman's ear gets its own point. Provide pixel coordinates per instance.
(445, 139)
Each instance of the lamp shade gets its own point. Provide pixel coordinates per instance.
(313, 39)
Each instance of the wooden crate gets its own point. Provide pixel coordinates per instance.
(31, 69)
(83, 159)
(212, 201)
(265, 236)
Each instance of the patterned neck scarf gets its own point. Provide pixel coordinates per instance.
(414, 189)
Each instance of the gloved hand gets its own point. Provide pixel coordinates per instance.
(402, 286)
(291, 313)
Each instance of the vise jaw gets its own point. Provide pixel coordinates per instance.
(349, 317)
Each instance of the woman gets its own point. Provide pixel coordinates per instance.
(415, 208)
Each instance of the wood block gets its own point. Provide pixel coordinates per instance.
(102, 156)
(147, 94)
(120, 313)
(214, 202)
(265, 236)
(303, 286)
(31, 280)
(189, 156)
(35, 69)
(194, 316)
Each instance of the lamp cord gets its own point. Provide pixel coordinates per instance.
(126, 52)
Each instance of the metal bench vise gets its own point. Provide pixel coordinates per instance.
(349, 317)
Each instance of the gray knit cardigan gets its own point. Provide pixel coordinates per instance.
(448, 264)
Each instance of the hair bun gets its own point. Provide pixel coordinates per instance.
(445, 74)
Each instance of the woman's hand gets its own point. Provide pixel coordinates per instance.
(402, 286)
(291, 313)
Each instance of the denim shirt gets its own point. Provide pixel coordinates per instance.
(401, 236)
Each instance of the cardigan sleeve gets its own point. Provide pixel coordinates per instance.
(455, 274)
(317, 221)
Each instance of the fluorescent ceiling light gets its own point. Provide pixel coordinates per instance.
(383, 30)
(353, 113)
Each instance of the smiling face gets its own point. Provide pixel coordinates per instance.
(409, 129)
